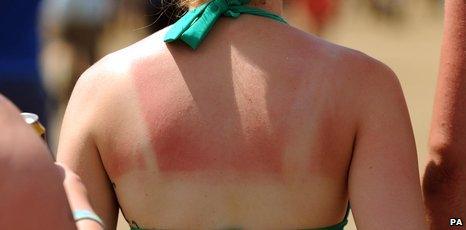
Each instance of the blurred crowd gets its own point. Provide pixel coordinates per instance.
(47, 44)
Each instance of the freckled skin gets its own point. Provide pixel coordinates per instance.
(444, 179)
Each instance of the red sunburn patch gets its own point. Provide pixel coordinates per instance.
(118, 165)
(184, 141)
(122, 163)
(179, 151)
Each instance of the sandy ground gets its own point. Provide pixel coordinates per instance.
(410, 47)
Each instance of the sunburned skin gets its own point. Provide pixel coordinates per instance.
(120, 164)
(222, 149)
(444, 177)
(125, 155)
(242, 126)
(255, 129)
(184, 139)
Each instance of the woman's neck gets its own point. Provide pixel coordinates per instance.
(275, 6)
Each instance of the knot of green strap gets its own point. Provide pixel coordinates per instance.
(194, 26)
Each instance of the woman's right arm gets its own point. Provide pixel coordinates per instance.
(384, 184)
(77, 147)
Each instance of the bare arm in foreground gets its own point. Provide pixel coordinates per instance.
(34, 190)
(445, 175)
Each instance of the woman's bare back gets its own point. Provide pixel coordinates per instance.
(251, 132)
(255, 129)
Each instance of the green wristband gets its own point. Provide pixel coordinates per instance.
(87, 215)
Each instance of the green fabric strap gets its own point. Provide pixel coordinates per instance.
(194, 26)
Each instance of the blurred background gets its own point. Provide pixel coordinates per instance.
(46, 45)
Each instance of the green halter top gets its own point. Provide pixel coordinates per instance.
(194, 26)
(339, 226)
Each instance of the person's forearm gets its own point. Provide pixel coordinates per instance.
(30, 191)
(444, 188)
(78, 198)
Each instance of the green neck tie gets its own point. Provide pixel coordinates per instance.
(194, 26)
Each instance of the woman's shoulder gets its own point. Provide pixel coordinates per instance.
(119, 63)
(369, 83)
(361, 68)
(313, 49)
(114, 68)
(348, 73)
(353, 68)
(344, 58)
